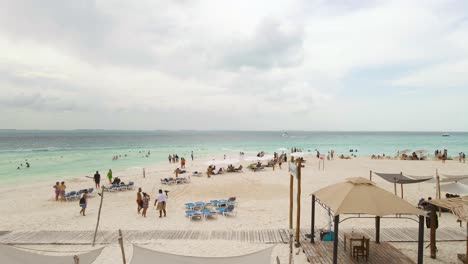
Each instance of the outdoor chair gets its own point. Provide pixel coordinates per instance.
(227, 210)
(361, 250)
(193, 214)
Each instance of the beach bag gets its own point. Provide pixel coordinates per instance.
(82, 200)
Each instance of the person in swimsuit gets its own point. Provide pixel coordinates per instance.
(57, 190)
(83, 202)
(62, 189)
(146, 200)
(109, 176)
(139, 200)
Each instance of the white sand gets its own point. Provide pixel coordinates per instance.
(263, 204)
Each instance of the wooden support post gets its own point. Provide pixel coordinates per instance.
(466, 256)
(377, 229)
(401, 191)
(421, 239)
(335, 240)
(291, 203)
(394, 185)
(122, 247)
(433, 232)
(312, 221)
(144, 174)
(99, 215)
(438, 191)
(370, 175)
(298, 205)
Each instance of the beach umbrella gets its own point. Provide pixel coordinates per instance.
(421, 151)
(404, 151)
(454, 188)
(221, 161)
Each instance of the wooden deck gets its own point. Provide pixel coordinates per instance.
(265, 236)
(322, 252)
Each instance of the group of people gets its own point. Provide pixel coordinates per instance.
(21, 165)
(97, 178)
(461, 157)
(143, 201)
(439, 155)
(60, 191)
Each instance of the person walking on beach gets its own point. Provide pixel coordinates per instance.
(139, 201)
(109, 176)
(62, 189)
(170, 158)
(97, 179)
(161, 201)
(182, 163)
(57, 190)
(84, 202)
(146, 200)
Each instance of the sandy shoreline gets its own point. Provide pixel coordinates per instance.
(263, 200)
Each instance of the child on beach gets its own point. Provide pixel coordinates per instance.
(109, 176)
(146, 200)
(83, 202)
(57, 190)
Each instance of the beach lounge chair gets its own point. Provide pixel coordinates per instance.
(168, 181)
(197, 173)
(70, 196)
(239, 169)
(130, 185)
(229, 210)
(91, 192)
(193, 214)
(189, 205)
(232, 200)
(207, 212)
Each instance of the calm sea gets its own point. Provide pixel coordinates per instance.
(59, 154)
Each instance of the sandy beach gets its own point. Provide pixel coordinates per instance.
(262, 204)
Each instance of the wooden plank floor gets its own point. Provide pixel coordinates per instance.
(322, 252)
(265, 236)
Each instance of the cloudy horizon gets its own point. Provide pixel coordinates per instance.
(243, 65)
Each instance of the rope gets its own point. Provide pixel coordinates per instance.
(55, 251)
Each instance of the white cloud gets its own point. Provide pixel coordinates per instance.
(223, 65)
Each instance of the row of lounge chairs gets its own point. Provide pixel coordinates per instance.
(119, 187)
(203, 210)
(73, 195)
(179, 180)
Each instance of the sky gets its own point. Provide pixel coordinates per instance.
(234, 65)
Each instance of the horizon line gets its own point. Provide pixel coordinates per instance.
(230, 130)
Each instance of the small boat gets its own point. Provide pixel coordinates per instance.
(285, 134)
(446, 135)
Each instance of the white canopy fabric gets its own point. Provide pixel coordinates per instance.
(11, 255)
(361, 196)
(147, 256)
(454, 188)
(220, 162)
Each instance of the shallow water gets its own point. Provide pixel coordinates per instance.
(57, 154)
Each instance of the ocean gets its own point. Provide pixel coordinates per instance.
(62, 154)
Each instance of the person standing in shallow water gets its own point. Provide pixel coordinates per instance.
(97, 179)
(109, 176)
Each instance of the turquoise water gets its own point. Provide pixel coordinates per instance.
(59, 154)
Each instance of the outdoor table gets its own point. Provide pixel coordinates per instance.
(353, 236)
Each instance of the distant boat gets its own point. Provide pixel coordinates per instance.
(285, 134)
(446, 135)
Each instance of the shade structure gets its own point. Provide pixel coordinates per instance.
(221, 161)
(454, 188)
(404, 151)
(361, 196)
(12, 255)
(402, 179)
(147, 256)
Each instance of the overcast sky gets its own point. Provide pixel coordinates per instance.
(255, 65)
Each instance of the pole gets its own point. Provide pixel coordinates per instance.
(121, 247)
(377, 229)
(144, 174)
(433, 232)
(401, 191)
(298, 206)
(291, 237)
(312, 222)
(370, 175)
(99, 215)
(394, 185)
(466, 259)
(421, 239)
(438, 191)
(335, 240)
(291, 203)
